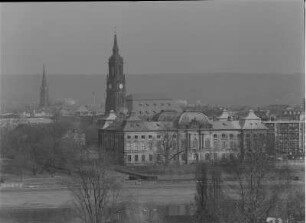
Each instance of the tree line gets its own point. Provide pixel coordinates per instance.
(36, 149)
(258, 190)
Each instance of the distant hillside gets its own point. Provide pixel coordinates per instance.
(224, 89)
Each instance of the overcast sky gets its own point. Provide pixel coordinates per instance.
(154, 37)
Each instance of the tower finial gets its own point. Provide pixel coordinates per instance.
(115, 47)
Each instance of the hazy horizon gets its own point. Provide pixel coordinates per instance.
(224, 89)
(154, 37)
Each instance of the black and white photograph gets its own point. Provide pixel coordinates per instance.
(152, 112)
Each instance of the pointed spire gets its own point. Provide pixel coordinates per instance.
(115, 47)
(44, 79)
(44, 98)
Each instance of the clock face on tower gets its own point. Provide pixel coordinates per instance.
(110, 86)
(120, 86)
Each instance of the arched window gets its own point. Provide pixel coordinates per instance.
(223, 145)
(207, 143)
(196, 157)
(207, 156)
(195, 143)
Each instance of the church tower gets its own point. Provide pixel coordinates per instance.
(115, 88)
(44, 95)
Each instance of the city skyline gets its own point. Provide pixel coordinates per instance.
(152, 111)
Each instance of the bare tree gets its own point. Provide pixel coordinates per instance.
(96, 192)
(255, 198)
(208, 193)
(167, 148)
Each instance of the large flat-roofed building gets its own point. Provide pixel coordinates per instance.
(145, 106)
(288, 136)
(185, 138)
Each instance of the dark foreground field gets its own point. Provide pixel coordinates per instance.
(51, 203)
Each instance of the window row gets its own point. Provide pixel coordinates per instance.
(147, 136)
(135, 146)
(139, 158)
(225, 136)
(210, 156)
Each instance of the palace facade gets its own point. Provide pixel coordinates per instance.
(188, 138)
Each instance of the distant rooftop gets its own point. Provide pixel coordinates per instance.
(148, 96)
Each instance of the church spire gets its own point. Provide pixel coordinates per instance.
(44, 80)
(115, 47)
(115, 88)
(44, 96)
